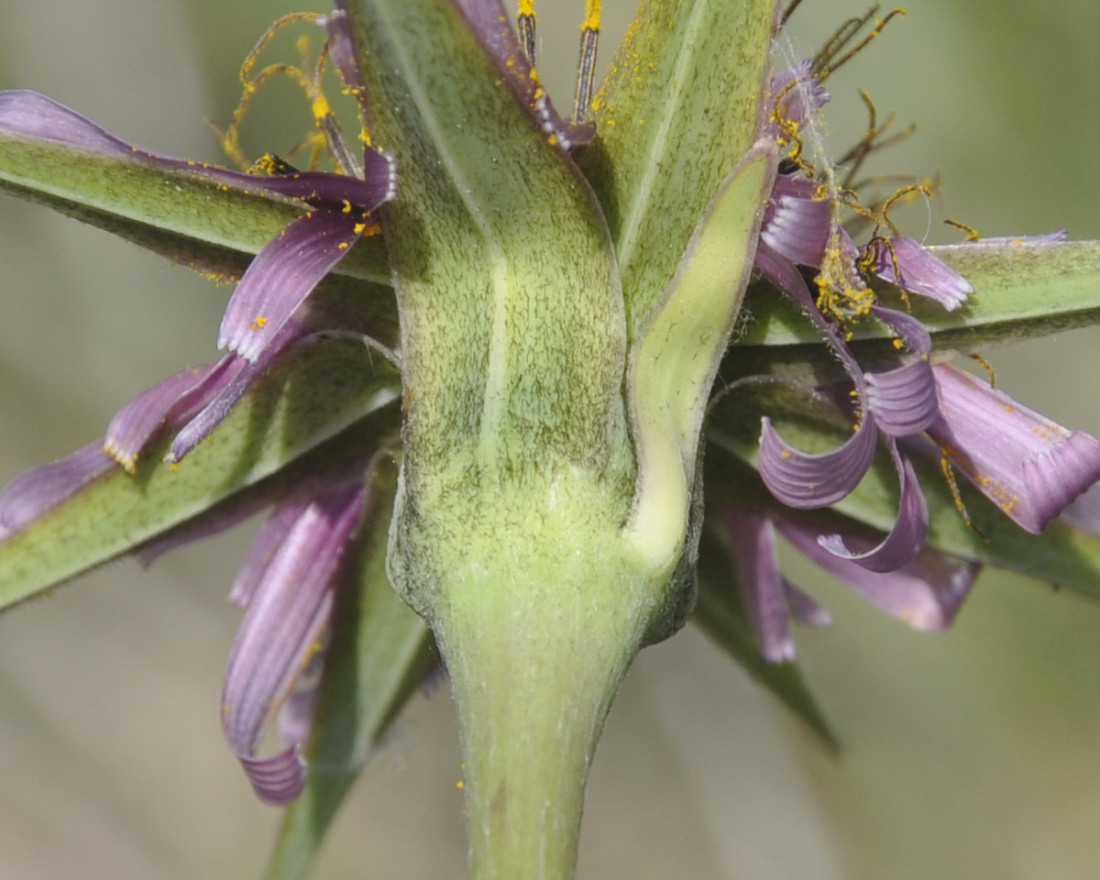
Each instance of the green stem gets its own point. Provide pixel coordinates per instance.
(536, 654)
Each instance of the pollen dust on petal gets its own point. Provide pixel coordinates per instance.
(259, 322)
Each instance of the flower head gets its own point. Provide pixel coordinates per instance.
(555, 298)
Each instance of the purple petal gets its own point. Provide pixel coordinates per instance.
(491, 27)
(797, 220)
(905, 263)
(805, 481)
(342, 51)
(926, 593)
(905, 540)
(756, 563)
(36, 492)
(797, 95)
(1055, 237)
(804, 608)
(166, 405)
(277, 780)
(903, 401)
(288, 611)
(29, 114)
(239, 377)
(281, 276)
(263, 549)
(1027, 465)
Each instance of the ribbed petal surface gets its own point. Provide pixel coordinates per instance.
(286, 615)
(905, 540)
(796, 221)
(1027, 465)
(280, 278)
(36, 492)
(756, 561)
(904, 262)
(805, 481)
(166, 405)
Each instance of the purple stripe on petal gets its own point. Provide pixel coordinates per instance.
(287, 613)
(805, 481)
(277, 780)
(36, 492)
(263, 549)
(280, 278)
(905, 540)
(797, 220)
(33, 115)
(904, 262)
(1027, 465)
(240, 376)
(926, 593)
(903, 401)
(166, 404)
(756, 562)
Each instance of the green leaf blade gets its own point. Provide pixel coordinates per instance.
(662, 150)
(190, 219)
(309, 398)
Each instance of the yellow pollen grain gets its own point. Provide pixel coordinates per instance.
(321, 108)
(592, 15)
(259, 322)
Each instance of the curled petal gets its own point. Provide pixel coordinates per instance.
(36, 492)
(756, 561)
(280, 278)
(276, 780)
(925, 593)
(805, 481)
(905, 540)
(904, 262)
(909, 329)
(288, 611)
(797, 220)
(1027, 465)
(903, 401)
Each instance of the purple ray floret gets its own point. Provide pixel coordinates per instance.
(904, 262)
(288, 604)
(1030, 467)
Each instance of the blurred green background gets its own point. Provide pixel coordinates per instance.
(970, 754)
